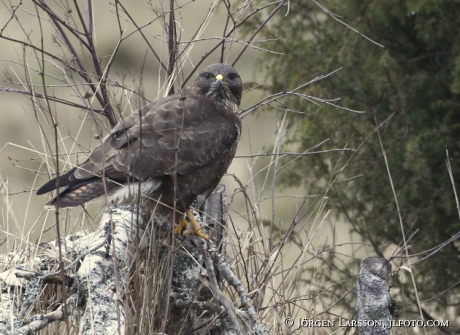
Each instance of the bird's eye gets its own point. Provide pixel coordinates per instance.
(208, 75)
(231, 76)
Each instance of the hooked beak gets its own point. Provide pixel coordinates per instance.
(219, 79)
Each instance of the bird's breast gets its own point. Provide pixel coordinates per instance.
(129, 192)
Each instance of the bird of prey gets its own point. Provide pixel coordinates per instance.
(171, 150)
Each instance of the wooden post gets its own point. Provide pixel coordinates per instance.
(373, 297)
(100, 279)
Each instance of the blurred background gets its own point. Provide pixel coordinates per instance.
(26, 147)
(390, 112)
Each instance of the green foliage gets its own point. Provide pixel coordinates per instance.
(411, 87)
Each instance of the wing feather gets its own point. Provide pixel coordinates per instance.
(179, 134)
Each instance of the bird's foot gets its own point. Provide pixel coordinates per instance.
(195, 227)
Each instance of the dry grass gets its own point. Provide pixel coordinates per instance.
(285, 246)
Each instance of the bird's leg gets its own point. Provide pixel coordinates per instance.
(181, 226)
(196, 229)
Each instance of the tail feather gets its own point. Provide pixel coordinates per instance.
(77, 195)
(64, 180)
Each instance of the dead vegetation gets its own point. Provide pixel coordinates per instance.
(79, 67)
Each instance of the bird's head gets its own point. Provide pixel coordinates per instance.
(220, 83)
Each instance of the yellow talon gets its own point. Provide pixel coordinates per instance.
(196, 229)
(181, 226)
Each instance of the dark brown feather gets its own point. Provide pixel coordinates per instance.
(192, 133)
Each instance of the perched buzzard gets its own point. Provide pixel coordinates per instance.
(172, 150)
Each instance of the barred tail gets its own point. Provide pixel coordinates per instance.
(77, 195)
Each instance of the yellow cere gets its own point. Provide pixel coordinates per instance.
(220, 77)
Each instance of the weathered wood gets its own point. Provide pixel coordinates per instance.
(191, 295)
(373, 297)
(215, 217)
(200, 306)
(99, 279)
(97, 282)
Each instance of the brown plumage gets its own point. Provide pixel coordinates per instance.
(191, 136)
